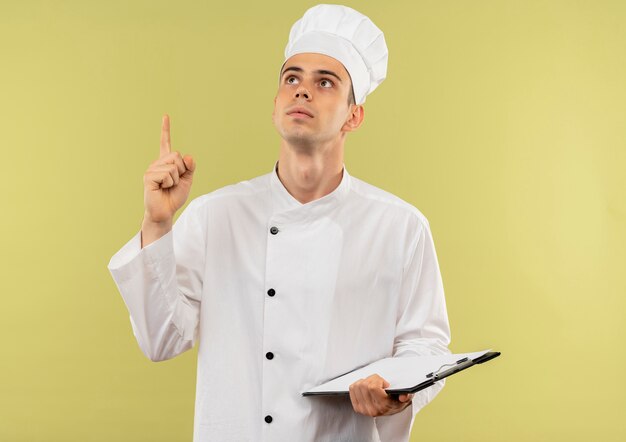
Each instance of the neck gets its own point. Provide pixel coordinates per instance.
(309, 174)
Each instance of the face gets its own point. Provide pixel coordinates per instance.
(311, 105)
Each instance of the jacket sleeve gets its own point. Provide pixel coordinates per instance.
(422, 327)
(161, 285)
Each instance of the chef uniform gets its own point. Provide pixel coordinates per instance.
(282, 296)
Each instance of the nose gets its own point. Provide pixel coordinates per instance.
(302, 92)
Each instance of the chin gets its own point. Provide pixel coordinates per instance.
(301, 139)
(296, 134)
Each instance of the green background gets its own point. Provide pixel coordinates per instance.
(502, 121)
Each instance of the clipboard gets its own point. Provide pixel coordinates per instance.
(405, 374)
(444, 372)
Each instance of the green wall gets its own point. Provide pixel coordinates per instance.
(502, 121)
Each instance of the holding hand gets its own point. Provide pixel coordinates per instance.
(369, 397)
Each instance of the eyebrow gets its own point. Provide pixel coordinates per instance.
(320, 71)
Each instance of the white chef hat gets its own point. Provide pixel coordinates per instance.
(349, 37)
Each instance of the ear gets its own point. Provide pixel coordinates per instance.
(355, 118)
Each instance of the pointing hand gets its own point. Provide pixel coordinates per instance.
(167, 181)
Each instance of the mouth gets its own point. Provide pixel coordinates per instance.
(300, 112)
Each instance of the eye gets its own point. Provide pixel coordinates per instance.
(289, 80)
(325, 83)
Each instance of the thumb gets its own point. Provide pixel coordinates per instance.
(405, 397)
(190, 164)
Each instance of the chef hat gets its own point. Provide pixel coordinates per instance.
(348, 36)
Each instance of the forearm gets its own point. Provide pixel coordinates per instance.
(164, 320)
(151, 231)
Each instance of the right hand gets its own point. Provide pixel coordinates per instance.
(167, 181)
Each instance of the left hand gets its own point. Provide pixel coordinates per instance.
(369, 397)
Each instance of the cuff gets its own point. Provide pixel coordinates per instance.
(125, 264)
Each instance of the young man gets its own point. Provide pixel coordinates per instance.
(294, 277)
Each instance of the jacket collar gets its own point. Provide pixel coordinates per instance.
(285, 204)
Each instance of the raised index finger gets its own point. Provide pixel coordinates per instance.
(165, 136)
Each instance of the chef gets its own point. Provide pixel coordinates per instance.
(294, 277)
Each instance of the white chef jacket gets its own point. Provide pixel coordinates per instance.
(282, 296)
